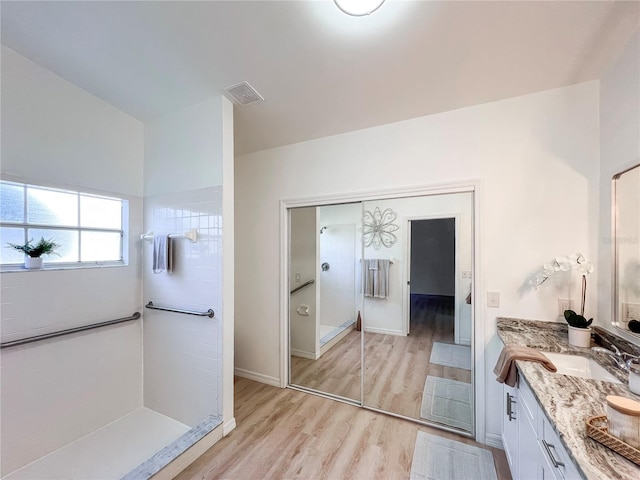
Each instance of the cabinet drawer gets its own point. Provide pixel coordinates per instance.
(555, 451)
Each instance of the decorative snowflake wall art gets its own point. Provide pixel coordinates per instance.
(378, 227)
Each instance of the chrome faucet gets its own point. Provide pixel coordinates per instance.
(622, 360)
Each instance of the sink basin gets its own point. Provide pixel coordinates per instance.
(577, 366)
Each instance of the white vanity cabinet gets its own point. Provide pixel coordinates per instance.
(532, 447)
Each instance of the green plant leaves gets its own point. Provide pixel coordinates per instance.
(575, 320)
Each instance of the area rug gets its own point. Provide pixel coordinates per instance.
(437, 458)
(451, 355)
(448, 402)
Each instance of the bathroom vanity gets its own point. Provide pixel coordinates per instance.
(544, 416)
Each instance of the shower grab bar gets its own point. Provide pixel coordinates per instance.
(305, 284)
(209, 313)
(44, 336)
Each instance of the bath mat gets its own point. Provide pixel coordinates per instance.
(448, 402)
(451, 355)
(437, 458)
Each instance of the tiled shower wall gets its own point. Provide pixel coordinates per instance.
(58, 390)
(183, 353)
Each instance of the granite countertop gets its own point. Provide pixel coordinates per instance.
(568, 401)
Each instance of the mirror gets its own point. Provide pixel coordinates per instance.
(325, 344)
(417, 322)
(380, 306)
(626, 241)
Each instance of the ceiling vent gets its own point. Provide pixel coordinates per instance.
(244, 94)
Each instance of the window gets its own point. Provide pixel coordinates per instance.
(89, 228)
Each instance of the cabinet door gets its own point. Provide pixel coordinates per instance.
(528, 450)
(510, 428)
(546, 469)
(555, 451)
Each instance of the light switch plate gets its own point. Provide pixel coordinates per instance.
(493, 299)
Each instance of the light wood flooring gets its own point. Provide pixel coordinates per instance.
(284, 433)
(396, 367)
(336, 372)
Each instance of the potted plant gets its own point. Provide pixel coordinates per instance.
(33, 252)
(579, 332)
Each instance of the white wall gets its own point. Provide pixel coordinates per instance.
(184, 150)
(58, 390)
(187, 158)
(55, 132)
(304, 236)
(619, 150)
(536, 154)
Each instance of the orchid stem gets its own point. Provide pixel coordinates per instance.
(584, 293)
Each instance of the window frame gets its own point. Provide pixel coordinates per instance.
(25, 225)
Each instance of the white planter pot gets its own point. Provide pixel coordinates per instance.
(32, 263)
(580, 337)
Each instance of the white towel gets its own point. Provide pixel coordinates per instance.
(162, 254)
(375, 277)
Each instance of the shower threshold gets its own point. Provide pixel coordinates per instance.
(110, 452)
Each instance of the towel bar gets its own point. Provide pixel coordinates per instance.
(191, 235)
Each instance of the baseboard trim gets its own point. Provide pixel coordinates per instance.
(494, 440)
(257, 377)
(304, 354)
(384, 331)
(228, 426)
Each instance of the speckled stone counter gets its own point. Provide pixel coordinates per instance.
(568, 401)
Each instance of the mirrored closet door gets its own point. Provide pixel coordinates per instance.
(380, 305)
(417, 315)
(325, 299)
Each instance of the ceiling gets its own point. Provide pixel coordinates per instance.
(320, 71)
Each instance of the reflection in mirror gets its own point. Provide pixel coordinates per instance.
(417, 312)
(626, 240)
(324, 302)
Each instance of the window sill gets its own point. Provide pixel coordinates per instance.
(54, 267)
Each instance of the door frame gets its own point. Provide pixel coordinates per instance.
(406, 294)
(476, 187)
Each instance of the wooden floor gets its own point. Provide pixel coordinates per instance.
(283, 433)
(336, 372)
(396, 367)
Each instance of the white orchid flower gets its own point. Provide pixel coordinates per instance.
(563, 264)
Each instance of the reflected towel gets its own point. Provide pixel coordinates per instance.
(505, 368)
(162, 254)
(375, 281)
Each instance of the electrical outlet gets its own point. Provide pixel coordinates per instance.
(631, 311)
(466, 274)
(564, 304)
(493, 299)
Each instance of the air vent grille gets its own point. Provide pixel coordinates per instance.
(244, 94)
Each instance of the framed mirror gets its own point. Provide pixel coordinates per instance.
(626, 250)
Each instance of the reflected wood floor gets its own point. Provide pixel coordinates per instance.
(336, 372)
(283, 433)
(396, 367)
